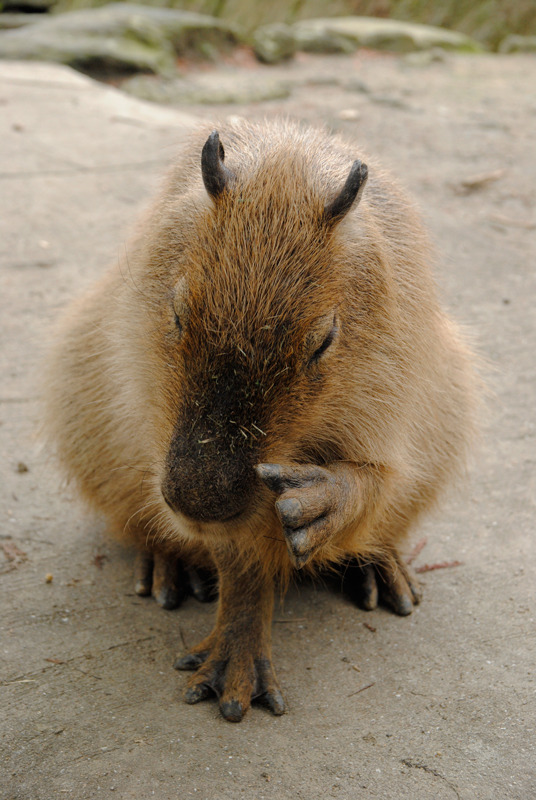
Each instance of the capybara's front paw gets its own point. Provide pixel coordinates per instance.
(234, 675)
(312, 505)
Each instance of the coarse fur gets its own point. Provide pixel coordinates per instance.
(195, 349)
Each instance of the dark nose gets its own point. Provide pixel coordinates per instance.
(212, 485)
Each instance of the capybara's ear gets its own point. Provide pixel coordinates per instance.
(349, 195)
(216, 176)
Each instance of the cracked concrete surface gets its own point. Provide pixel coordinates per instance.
(438, 705)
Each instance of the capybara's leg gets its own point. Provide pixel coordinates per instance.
(234, 661)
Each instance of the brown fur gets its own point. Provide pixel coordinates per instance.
(254, 276)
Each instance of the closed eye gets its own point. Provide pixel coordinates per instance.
(325, 344)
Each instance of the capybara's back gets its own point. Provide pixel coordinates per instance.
(264, 383)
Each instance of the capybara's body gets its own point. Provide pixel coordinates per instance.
(265, 382)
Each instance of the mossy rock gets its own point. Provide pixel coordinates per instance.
(12, 20)
(27, 5)
(274, 43)
(518, 44)
(347, 34)
(120, 37)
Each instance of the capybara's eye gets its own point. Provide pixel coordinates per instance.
(326, 343)
(177, 321)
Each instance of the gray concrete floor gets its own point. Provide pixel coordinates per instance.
(91, 706)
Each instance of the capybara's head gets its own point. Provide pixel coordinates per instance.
(255, 335)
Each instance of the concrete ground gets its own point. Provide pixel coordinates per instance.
(438, 705)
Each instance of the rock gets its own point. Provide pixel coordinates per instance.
(206, 89)
(319, 36)
(518, 44)
(119, 37)
(15, 20)
(92, 54)
(347, 34)
(28, 5)
(273, 43)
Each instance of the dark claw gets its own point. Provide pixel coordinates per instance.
(400, 604)
(197, 693)
(290, 512)
(416, 590)
(271, 474)
(369, 588)
(301, 543)
(232, 711)
(272, 700)
(268, 693)
(298, 542)
(143, 572)
(202, 584)
(169, 598)
(280, 477)
(395, 591)
(143, 588)
(190, 661)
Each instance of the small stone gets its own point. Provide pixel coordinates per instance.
(22, 467)
(349, 114)
(49, 577)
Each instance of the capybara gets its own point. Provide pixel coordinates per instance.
(264, 383)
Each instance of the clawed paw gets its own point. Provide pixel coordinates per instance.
(236, 679)
(310, 505)
(170, 581)
(392, 585)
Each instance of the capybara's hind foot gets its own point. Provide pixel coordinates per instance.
(236, 678)
(163, 576)
(203, 584)
(169, 581)
(391, 584)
